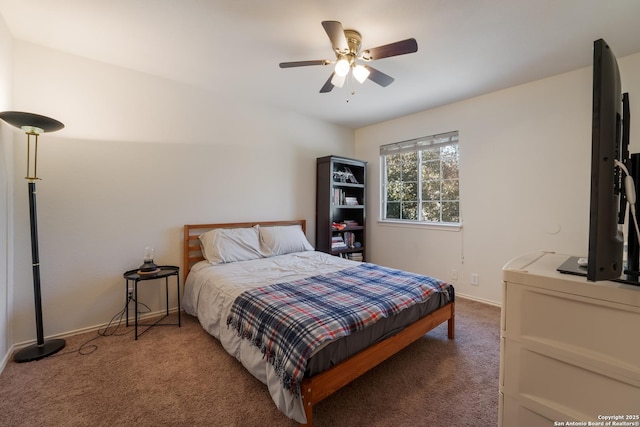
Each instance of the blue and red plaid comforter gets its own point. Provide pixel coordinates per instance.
(288, 321)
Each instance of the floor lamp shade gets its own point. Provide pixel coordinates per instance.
(34, 125)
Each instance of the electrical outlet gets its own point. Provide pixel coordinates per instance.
(454, 274)
(130, 291)
(475, 279)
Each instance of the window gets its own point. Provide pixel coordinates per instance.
(420, 181)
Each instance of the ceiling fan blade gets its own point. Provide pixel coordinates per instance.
(304, 63)
(392, 49)
(336, 35)
(379, 77)
(328, 86)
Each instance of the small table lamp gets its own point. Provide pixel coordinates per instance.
(34, 125)
(148, 267)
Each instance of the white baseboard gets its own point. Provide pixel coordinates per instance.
(6, 358)
(485, 301)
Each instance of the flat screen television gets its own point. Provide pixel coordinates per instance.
(608, 203)
(606, 241)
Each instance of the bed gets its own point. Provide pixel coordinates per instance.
(219, 281)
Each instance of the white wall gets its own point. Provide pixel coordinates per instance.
(524, 178)
(139, 157)
(6, 190)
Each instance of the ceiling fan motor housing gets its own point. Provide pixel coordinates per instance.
(354, 41)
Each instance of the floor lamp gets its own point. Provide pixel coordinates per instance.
(33, 125)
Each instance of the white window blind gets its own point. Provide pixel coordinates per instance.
(442, 139)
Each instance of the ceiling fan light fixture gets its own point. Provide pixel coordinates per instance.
(338, 80)
(361, 73)
(342, 67)
(346, 44)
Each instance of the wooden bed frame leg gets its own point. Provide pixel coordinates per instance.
(308, 410)
(451, 323)
(306, 402)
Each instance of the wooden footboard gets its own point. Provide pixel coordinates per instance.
(322, 385)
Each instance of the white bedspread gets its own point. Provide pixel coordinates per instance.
(211, 289)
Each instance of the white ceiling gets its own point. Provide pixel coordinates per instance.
(233, 47)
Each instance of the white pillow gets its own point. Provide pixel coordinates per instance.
(283, 239)
(222, 245)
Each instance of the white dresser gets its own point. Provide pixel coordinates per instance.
(570, 349)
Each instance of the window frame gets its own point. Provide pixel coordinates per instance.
(415, 146)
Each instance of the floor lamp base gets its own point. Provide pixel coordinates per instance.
(37, 352)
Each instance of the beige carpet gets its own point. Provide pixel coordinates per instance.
(182, 377)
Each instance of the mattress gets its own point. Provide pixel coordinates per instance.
(211, 289)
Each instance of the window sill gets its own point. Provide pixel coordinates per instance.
(422, 225)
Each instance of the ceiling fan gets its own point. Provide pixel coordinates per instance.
(346, 45)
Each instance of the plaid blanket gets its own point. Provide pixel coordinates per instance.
(288, 321)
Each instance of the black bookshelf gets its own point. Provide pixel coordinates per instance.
(340, 207)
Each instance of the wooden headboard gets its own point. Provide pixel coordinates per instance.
(192, 253)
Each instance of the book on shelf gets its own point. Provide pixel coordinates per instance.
(337, 242)
(340, 198)
(351, 201)
(355, 256)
